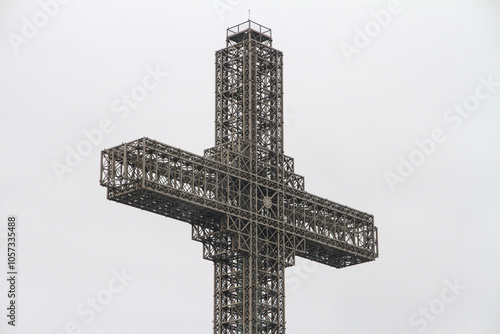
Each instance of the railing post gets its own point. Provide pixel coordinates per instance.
(144, 162)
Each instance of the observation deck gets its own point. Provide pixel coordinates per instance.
(249, 29)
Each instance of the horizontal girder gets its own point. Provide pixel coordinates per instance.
(199, 190)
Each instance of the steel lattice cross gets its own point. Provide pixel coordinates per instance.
(245, 203)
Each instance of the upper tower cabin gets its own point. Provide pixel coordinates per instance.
(249, 30)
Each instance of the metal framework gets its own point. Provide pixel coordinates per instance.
(243, 199)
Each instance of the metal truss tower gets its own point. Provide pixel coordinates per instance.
(243, 199)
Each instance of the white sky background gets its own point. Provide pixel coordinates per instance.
(347, 124)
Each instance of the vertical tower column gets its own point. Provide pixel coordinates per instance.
(249, 288)
(249, 285)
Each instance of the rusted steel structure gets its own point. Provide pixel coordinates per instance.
(246, 204)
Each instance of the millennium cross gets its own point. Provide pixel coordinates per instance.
(243, 199)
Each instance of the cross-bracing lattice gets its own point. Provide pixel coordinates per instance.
(243, 199)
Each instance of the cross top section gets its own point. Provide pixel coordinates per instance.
(249, 101)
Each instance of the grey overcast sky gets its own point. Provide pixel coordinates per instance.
(392, 107)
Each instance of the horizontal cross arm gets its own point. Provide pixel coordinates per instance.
(171, 182)
(334, 234)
